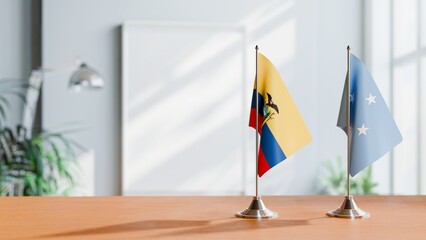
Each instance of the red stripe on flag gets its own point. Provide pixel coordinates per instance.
(263, 166)
(252, 120)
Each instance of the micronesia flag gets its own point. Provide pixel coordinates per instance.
(281, 127)
(374, 132)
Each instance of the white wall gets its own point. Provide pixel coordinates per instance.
(305, 39)
(396, 60)
(15, 47)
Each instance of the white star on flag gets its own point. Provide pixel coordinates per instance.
(362, 130)
(371, 99)
(351, 98)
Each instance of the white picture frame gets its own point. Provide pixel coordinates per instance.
(182, 134)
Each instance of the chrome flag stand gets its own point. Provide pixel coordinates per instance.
(348, 209)
(257, 208)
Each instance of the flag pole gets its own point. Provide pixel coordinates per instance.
(257, 208)
(257, 128)
(348, 123)
(348, 209)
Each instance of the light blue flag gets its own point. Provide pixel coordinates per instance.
(374, 132)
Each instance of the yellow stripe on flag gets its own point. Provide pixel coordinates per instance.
(288, 127)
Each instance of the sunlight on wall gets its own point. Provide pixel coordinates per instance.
(283, 37)
(405, 12)
(377, 56)
(266, 13)
(188, 102)
(214, 45)
(406, 115)
(176, 73)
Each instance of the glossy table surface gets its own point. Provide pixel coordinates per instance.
(300, 217)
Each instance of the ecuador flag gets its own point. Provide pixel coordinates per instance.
(281, 126)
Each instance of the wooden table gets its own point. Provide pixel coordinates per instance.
(301, 217)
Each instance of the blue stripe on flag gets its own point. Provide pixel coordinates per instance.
(270, 147)
(260, 103)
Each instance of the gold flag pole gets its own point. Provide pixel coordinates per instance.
(257, 208)
(348, 209)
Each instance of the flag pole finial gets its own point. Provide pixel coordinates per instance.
(257, 47)
(348, 48)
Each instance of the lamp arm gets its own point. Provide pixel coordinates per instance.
(33, 93)
(32, 97)
(57, 70)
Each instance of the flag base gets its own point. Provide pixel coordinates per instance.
(348, 209)
(257, 209)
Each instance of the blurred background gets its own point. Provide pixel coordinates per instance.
(172, 116)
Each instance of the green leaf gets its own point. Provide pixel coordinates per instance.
(31, 183)
(4, 101)
(2, 113)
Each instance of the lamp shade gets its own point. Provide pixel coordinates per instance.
(86, 77)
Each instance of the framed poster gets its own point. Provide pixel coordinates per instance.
(184, 108)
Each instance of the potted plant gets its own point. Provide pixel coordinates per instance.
(32, 165)
(334, 180)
